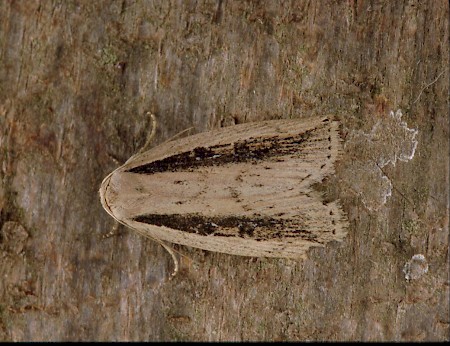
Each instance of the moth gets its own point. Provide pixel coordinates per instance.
(245, 190)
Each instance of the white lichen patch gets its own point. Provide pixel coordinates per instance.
(371, 184)
(415, 267)
(389, 140)
(392, 140)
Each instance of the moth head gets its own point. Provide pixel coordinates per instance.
(105, 194)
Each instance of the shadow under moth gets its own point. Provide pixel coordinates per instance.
(244, 190)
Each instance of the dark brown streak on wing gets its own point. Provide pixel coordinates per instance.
(257, 228)
(251, 150)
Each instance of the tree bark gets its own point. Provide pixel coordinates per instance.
(76, 81)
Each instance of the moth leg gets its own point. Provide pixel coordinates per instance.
(113, 232)
(150, 137)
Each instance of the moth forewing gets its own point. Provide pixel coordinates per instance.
(244, 190)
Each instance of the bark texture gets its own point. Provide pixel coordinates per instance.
(76, 81)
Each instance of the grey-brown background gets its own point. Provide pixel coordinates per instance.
(76, 78)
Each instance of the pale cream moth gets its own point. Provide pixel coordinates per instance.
(244, 190)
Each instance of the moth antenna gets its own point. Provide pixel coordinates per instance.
(165, 246)
(179, 134)
(152, 134)
(174, 258)
(172, 252)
